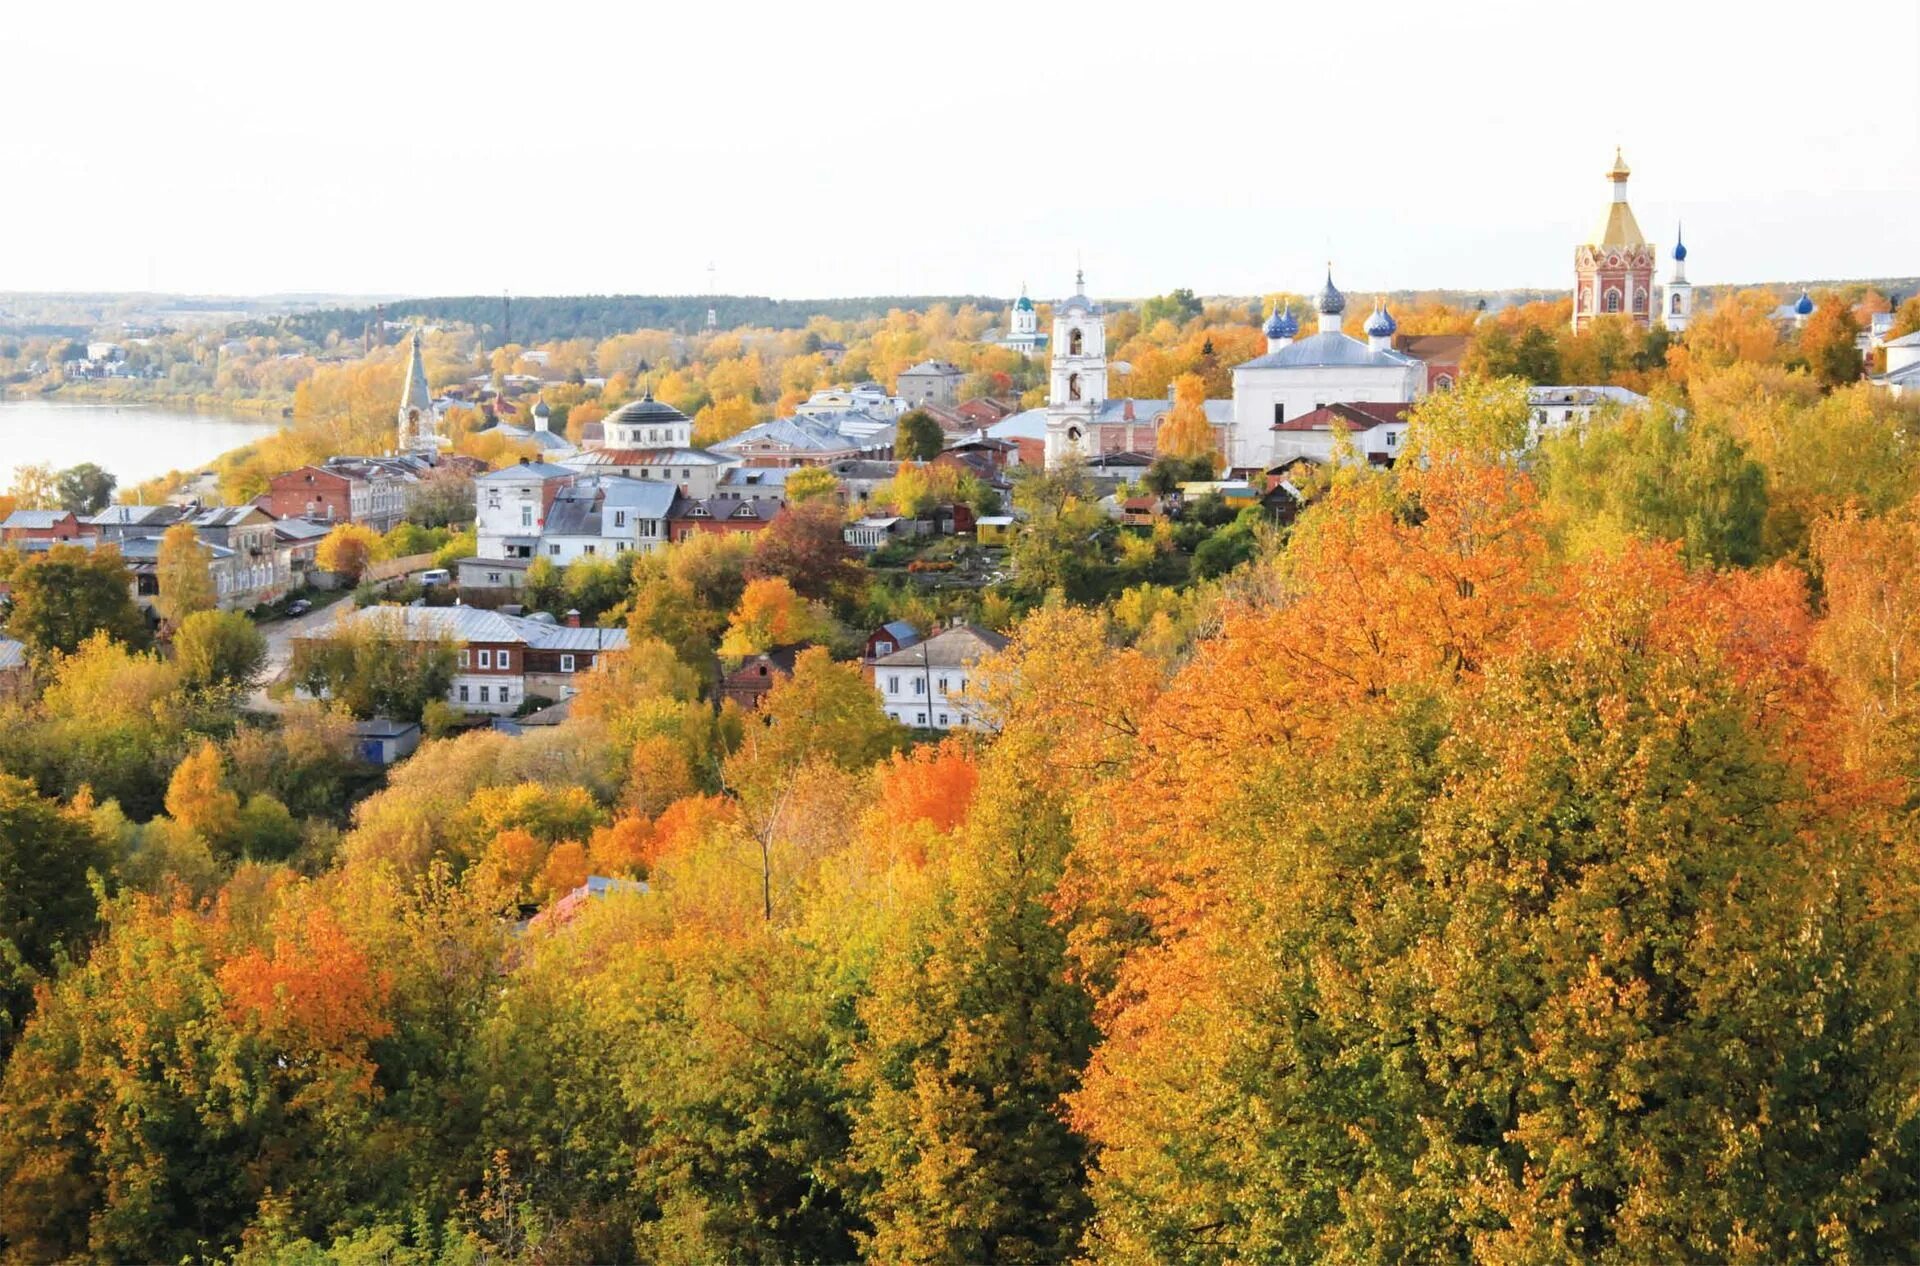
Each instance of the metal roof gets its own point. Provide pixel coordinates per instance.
(949, 648)
(12, 654)
(1329, 348)
(524, 470)
(34, 518)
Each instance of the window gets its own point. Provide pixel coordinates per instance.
(619, 518)
(1279, 413)
(1675, 309)
(506, 694)
(621, 547)
(1443, 383)
(1393, 439)
(463, 694)
(919, 718)
(526, 516)
(918, 685)
(493, 577)
(1613, 300)
(1073, 345)
(587, 549)
(943, 720)
(463, 659)
(883, 647)
(554, 550)
(1073, 386)
(503, 660)
(943, 685)
(893, 685)
(566, 663)
(483, 695)
(486, 659)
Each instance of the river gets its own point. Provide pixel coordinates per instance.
(135, 442)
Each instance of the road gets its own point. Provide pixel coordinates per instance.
(280, 635)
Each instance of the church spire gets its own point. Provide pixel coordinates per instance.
(416, 401)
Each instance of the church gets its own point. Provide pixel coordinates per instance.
(1613, 273)
(1296, 377)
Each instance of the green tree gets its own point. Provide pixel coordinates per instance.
(919, 437)
(46, 903)
(373, 669)
(185, 575)
(1653, 473)
(1178, 306)
(219, 650)
(85, 489)
(66, 595)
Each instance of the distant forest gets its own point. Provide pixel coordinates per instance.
(539, 319)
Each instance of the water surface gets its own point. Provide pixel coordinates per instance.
(135, 442)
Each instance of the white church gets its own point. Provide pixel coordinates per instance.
(1283, 402)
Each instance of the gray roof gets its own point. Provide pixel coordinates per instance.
(146, 549)
(12, 654)
(1904, 377)
(472, 624)
(1575, 395)
(757, 476)
(133, 516)
(1329, 348)
(225, 516)
(301, 529)
(815, 433)
(1905, 340)
(649, 498)
(949, 648)
(941, 368)
(646, 457)
(384, 727)
(524, 470)
(33, 519)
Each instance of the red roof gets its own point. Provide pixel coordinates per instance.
(1359, 415)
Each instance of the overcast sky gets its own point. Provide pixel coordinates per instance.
(811, 150)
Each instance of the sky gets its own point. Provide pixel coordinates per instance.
(834, 149)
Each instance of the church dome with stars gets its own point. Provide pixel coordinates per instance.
(1332, 302)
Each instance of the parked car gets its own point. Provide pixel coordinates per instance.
(436, 576)
(299, 606)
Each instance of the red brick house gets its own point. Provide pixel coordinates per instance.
(309, 493)
(719, 514)
(1442, 354)
(40, 525)
(757, 674)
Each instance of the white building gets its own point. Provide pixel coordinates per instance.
(650, 439)
(1079, 378)
(922, 686)
(609, 515)
(1023, 329)
(1298, 376)
(510, 507)
(1676, 298)
(1557, 408)
(865, 397)
(1903, 365)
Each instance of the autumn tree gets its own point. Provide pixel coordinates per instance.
(219, 649)
(66, 595)
(372, 668)
(770, 614)
(919, 437)
(347, 550)
(1829, 342)
(85, 489)
(46, 905)
(811, 483)
(185, 572)
(1185, 434)
(805, 547)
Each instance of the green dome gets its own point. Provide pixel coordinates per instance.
(1023, 304)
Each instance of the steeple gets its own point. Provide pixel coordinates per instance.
(416, 403)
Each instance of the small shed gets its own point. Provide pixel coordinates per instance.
(382, 741)
(994, 529)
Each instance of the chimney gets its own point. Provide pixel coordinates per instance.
(573, 617)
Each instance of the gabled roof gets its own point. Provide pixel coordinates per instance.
(944, 368)
(36, 519)
(134, 516)
(472, 624)
(726, 509)
(1330, 347)
(525, 470)
(950, 648)
(1358, 415)
(228, 516)
(1446, 348)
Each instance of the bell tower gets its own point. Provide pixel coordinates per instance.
(1676, 302)
(1613, 273)
(1079, 380)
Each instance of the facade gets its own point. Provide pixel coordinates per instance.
(894, 635)
(691, 515)
(1676, 297)
(930, 382)
(40, 525)
(1079, 376)
(607, 515)
(253, 568)
(875, 532)
(501, 660)
(1376, 430)
(1556, 408)
(372, 491)
(510, 507)
(1613, 273)
(1300, 375)
(1903, 365)
(749, 683)
(923, 685)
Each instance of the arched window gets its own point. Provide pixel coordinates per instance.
(1073, 345)
(1676, 305)
(1443, 383)
(1613, 300)
(1073, 384)
(1639, 301)
(1073, 434)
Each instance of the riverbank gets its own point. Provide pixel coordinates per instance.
(133, 392)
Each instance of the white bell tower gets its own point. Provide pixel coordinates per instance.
(1079, 381)
(1676, 299)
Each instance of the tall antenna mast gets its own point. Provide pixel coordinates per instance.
(713, 313)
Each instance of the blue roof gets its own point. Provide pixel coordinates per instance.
(1381, 324)
(1282, 324)
(1805, 306)
(1679, 247)
(1332, 302)
(1330, 347)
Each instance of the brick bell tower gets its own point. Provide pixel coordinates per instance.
(1613, 274)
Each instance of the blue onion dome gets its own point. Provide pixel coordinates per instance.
(1679, 248)
(1381, 324)
(1805, 306)
(1289, 323)
(1273, 326)
(1332, 302)
(540, 409)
